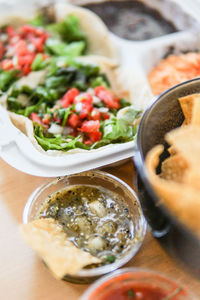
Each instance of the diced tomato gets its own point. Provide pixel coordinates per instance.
(107, 97)
(69, 97)
(98, 90)
(88, 142)
(10, 31)
(95, 136)
(27, 29)
(83, 114)
(46, 120)
(26, 69)
(21, 48)
(56, 118)
(74, 120)
(26, 59)
(95, 114)
(2, 50)
(87, 104)
(7, 64)
(35, 118)
(13, 40)
(105, 116)
(38, 43)
(90, 126)
(85, 97)
(24, 63)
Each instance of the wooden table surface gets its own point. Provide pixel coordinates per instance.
(22, 274)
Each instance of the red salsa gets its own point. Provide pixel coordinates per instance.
(138, 286)
(134, 291)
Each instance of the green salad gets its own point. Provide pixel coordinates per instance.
(30, 47)
(74, 108)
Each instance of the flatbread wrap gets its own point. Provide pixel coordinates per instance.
(76, 107)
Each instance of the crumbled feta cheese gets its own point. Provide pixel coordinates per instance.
(79, 97)
(96, 99)
(55, 129)
(103, 109)
(78, 107)
(67, 130)
(90, 91)
(3, 37)
(31, 47)
(15, 39)
(10, 51)
(60, 63)
(15, 60)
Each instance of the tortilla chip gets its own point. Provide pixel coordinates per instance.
(186, 141)
(48, 239)
(187, 103)
(171, 151)
(182, 199)
(196, 112)
(190, 106)
(173, 168)
(192, 178)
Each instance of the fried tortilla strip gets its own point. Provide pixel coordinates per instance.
(173, 168)
(186, 141)
(190, 106)
(48, 239)
(180, 198)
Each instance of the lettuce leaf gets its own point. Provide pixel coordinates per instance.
(122, 128)
(68, 30)
(6, 79)
(56, 47)
(39, 63)
(53, 142)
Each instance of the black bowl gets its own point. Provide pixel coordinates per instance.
(162, 116)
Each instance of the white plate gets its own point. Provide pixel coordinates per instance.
(16, 159)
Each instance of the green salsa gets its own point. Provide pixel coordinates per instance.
(93, 218)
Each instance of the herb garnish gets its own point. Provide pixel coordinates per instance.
(110, 258)
(131, 294)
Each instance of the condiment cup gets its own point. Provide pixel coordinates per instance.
(138, 277)
(100, 179)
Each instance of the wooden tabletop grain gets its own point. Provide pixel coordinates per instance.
(22, 274)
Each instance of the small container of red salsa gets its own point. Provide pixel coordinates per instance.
(136, 284)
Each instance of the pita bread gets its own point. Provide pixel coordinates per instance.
(48, 239)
